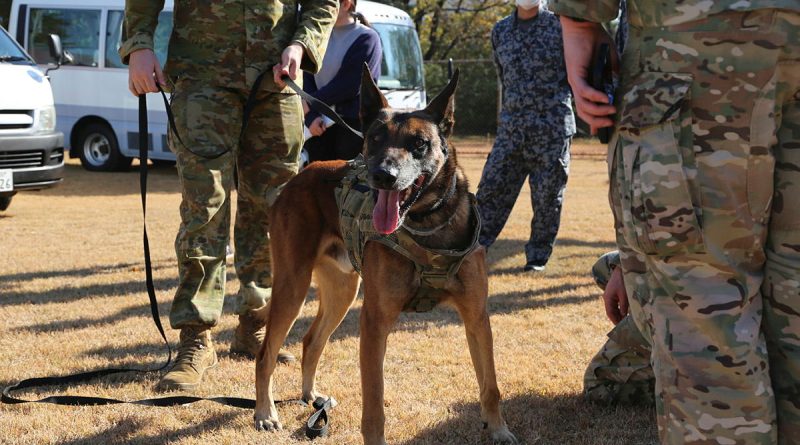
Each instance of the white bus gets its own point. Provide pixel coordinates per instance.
(97, 113)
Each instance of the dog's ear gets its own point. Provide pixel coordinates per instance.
(442, 107)
(372, 100)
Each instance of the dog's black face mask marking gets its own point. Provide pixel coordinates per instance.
(404, 151)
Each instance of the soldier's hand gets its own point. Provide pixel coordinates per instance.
(615, 298)
(317, 127)
(580, 39)
(290, 64)
(143, 72)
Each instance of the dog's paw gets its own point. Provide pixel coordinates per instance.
(267, 423)
(502, 436)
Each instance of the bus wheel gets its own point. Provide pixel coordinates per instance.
(99, 151)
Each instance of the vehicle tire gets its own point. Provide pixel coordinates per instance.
(5, 201)
(99, 151)
(163, 163)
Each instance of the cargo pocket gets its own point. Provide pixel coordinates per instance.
(205, 122)
(663, 219)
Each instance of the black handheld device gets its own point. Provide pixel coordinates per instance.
(601, 79)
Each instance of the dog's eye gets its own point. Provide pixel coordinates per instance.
(420, 143)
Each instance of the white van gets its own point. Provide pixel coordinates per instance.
(97, 113)
(31, 150)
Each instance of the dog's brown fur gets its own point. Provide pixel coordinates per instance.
(306, 239)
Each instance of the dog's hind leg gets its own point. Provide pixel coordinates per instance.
(337, 291)
(296, 250)
(472, 308)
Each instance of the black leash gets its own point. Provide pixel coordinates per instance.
(316, 426)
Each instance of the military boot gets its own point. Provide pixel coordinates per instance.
(195, 355)
(249, 336)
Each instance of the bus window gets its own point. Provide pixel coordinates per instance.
(79, 30)
(114, 32)
(401, 67)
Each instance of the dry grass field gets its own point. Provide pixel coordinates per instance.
(72, 298)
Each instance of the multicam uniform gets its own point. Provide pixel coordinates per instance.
(620, 372)
(217, 50)
(704, 169)
(534, 132)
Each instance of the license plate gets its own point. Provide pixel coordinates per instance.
(6, 181)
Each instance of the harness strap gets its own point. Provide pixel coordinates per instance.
(316, 426)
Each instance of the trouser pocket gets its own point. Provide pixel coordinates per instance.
(654, 140)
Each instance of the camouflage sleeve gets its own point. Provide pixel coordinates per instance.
(314, 30)
(599, 11)
(141, 18)
(497, 65)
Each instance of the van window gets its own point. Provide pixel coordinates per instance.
(114, 34)
(401, 67)
(79, 30)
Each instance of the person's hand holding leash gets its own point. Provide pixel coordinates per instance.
(615, 297)
(144, 71)
(580, 40)
(290, 64)
(317, 127)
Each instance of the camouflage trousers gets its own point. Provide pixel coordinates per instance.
(704, 171)
(620, 372)
(212, 145)
(518, 154)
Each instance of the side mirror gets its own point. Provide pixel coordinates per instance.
(58, 53)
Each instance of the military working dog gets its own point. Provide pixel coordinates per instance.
(415, 246)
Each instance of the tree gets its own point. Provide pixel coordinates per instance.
(455, 28)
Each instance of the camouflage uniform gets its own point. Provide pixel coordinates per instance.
(534, 133)
(217, 50)
(704, 164)
(620, 372)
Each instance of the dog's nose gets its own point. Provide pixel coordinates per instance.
(383, 177)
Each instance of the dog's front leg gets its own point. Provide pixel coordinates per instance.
(479, 339)
(472, 308)
(375, 327)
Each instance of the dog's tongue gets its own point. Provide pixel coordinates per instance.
(386, 214)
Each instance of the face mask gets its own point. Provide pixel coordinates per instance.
(528, 4)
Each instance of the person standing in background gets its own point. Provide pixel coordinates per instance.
(535, 129)
(352, 44)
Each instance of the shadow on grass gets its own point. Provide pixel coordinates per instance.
(84, 272)
(141, 310)
(535, 419)
(126, 431)
(83, 183)
(504, 248)
(498, 304)
(69, 294)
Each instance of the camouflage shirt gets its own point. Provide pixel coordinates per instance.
(646, 13)
(230, 42)
(530, 63)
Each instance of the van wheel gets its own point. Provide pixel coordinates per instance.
(99, 151)
(5, 201)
